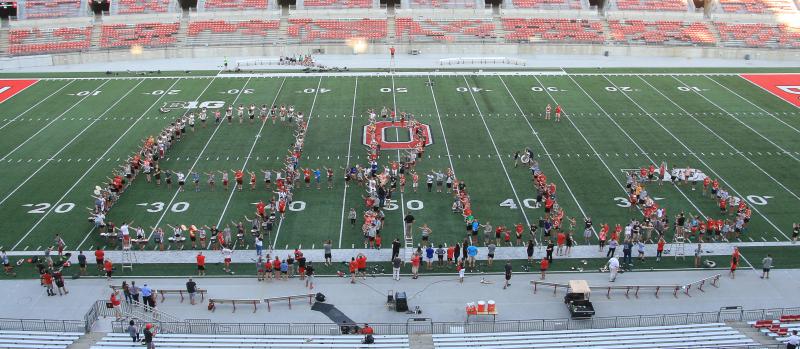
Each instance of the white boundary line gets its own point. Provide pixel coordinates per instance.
(308, 126)
(99, 159)
(497, 152)
(547, 153)
(722, 139)
(200, 155)
(763, 89)
(247, 158)
(54, 120)
(737, 119)
(631, 139)
(397, 136)
(52, 157)
(697, 157)
(347, 165)
(37, 104)
(755, 105)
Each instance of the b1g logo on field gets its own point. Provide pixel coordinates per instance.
(384, 127)
(785, 86)
(170, 106)
(8, 88)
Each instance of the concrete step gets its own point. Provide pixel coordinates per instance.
(420, 341)
(88, 340)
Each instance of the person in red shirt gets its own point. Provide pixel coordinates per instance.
(734, 262)
(108, 268)
(415, 261)
(660, 248)
(307, 177)
(47, 281)
(99, 256)
(543, 265)
(723, 206)
(706, 183)
(451, 250)
(558, 113)
(115, 303)
(276, 267)
(361, 263)
(353, 268)
(261, 209)
(201, 264)
(518, 229)
(282, 208)
(560, 240)
(239, 176)
(548, 205)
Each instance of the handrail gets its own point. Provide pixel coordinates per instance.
(45, 325)
(685, 288)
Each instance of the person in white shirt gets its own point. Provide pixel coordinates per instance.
(613, 268)
(227, 254)
(793, 341)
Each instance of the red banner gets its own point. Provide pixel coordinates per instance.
(785, 86)
(9, 88)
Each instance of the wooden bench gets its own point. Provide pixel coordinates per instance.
(310, 297)
(233, 302)
(163, 293)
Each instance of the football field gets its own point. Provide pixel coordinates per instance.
(61, 137)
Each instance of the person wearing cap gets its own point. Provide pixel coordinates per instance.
(147, 294)
(149, 333)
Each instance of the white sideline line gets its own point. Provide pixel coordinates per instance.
(51, 122)
(597, 154)
(763, 89)
(755, 105)
(723, 140)
(36, 105)
(247, 158)
(547, 153)
(397, 136)
(497, 152)
(199, 156)
(740, 121)
(99, 159)
(347, 166)
(46, 162)
(631, 139)
(308, 126)
(697, 157)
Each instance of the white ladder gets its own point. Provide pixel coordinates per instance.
(128, 257)
(409, 249)
(679, 247)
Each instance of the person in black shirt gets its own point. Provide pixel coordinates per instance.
(191, 288)
(549, 250)
(395, 248)
(508, 275)
(310, 276)
(409, 223)
(149, 333)
(82, 262)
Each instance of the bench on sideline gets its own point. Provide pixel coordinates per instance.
(712, 280)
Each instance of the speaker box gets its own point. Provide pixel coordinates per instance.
(400, 302)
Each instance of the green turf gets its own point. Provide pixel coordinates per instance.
(473, 119)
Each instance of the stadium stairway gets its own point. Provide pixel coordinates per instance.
(3, 40)
(390, 26)
(182, 30)
(497, 21)
(97, 31)
(715, 31)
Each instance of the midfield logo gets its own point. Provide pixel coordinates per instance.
(176, 105)
(382, 127)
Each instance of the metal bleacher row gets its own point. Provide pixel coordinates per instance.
(192, 341)
(38, 339)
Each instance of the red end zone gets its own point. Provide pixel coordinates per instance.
(8, 88)
(785, 86)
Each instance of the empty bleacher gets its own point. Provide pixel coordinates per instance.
(660, 32)
(141, 34)
(38, 339)
(450, 4)
(758, 6)
(652, 337)
(27, 41)
(651, 5)
(142, 6)
(779, 328)
(180, 341)
(222, 32)
(234, 5)
(762, 35)
(443, 30)
(52, 8)
(308, 30)
(548, 4)
(337, 4)
(553, 30)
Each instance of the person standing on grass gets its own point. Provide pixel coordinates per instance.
(612, 247)
(60, 244)
(191, 289)
(734, 262)
(795, 232)
(396, 263)
(201, 264)
(82, 263)
(284, 270)
(660, 248)
(549, 250)
(310, 276)
(472, 252)
(227, 255)
(408, 222)
(544, 265)
(508, 269)
(429, 257)
(640, 249)
(440, 252)
(766, 264)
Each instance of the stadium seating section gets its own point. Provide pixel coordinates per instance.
(553, 30)
(210, 341)
(429, 30)
(220, 32)
(25, 41)
(660, 32)
(779, 328)
(235, 5)
(142, 6)
(442, 4)
(758, 35)
(38, 339)
(52, 8)
(142, 34)
(652, 5)
(309, 30)
(758, 6)
(548, 4)
(337, 4)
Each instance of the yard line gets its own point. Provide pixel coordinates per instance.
(36, 105)
(347, 166)
(308, 125)
(631, 139)
(737, 119)
(753, 104)
(547, 153)
(397, 136)
(698, 158)
(497, 152)
(439, 116)
(247, 158)
(720, 138)
(54, 120)
(99, 159)
(68, 143)
(198, 157)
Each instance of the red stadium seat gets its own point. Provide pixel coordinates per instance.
(24, 41)
(553, 30)
(143, 6)
(652, 5)
(408, 29)
(758, 35)
(142, 34)
(337, 4)
(442, 4)
(217, 5)
(763, 324)
(660, 32)
(336, 30)
(220, 32)
(52, 8)
(758, 6)
(548, 4)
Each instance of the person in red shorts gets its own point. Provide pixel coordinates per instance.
(518, 230)
(239, 176)
(108, 267)
(201, 264)
(451, 250)
(558, 113)
(99, 256)
(561, 239)
(415, 261)
(544, 265)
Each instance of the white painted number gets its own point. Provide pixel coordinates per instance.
(548, 88)
(155, 207)
(179, 207)
(622, 202)
(88, 93)
(313, 90)
(4, 89)
(397, 89)
(414, 205)
(464, 89)
(235, 91)
(509, 203)
(758, 199)
(688, 88)
(42, 207)
(620, 88)
(158, 206)
(297, 206)
(161, 92)
(390, 205)
(529, 203)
